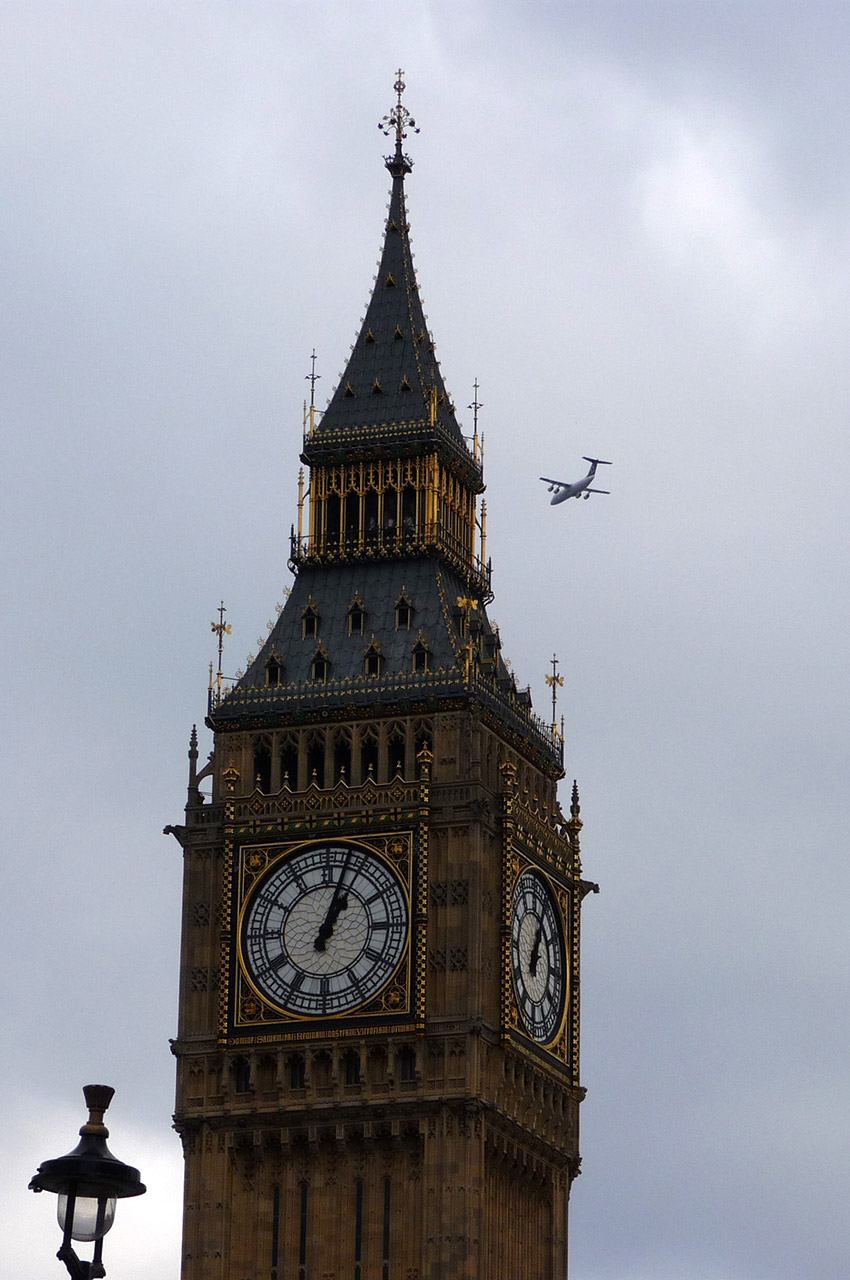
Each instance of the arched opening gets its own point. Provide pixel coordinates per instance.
(332, 522)
(370, 518)
(289, 763)
(316, 760)
(342, 756)
(352, 519)
(262, 764)
(369, 756)
(397, 753)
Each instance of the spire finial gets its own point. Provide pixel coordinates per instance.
(400, 122)
(554, 681)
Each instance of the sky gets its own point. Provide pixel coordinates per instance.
(631, 223)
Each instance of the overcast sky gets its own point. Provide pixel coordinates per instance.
(631, 224)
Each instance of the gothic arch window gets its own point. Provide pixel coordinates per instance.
(263, 764)
(289, 762)
(342, 756)
(320, 667)
(396, 752)
(403, 612)
(423, 739)
(316, 759)
(368, 755)
(309, 621)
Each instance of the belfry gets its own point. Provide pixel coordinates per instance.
(377, 1052)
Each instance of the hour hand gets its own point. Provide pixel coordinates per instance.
(535, 951)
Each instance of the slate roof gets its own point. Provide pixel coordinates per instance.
(386, 390)
(330, 590)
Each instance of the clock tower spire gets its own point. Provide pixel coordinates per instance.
(378, 1033)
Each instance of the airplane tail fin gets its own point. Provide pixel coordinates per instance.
(597, 462)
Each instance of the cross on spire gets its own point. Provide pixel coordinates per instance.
(400, 122)
(555, 681)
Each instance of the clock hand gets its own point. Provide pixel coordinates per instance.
(535, 951)
(338, 903)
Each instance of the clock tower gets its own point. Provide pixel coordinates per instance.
(377, 1052)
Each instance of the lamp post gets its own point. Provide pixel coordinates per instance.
(88, 1181)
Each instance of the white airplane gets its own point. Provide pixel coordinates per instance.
(561, 489)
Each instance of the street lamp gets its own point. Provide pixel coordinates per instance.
(88, 1181)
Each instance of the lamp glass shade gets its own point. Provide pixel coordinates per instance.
(86, 1225)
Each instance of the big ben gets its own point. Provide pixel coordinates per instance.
(377, 1051)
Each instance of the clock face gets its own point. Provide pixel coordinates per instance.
(325, 930)
(538, 958)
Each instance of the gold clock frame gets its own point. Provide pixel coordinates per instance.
(246, 1015)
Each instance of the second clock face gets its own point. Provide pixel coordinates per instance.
(325, 930)
(538, 957)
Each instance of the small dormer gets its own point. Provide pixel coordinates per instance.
(421, 655)
(356, 617)
(274, 671)
(309, 621)
(373, 661)
(320, 666)
(403, 612)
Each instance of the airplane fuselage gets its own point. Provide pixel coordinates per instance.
(561, 490)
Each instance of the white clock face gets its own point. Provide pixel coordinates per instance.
(325, 930)
(538, 958)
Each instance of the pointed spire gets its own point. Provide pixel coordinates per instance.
(391, 387)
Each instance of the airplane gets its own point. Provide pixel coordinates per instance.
(561, 489)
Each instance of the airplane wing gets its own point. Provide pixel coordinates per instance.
(562, 484)
(598, 491)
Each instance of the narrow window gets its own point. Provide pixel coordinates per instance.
(333, 521)
(262, 766)
(374, 660)
(342, 758)
(242, 1075)
(316, 762)
(421, 656)
(351, 1062)
(275, 1230)
(274, 672)
(352, 518)
(356, 619)
(297, 1071)
(403, 613)
(368, 758)
(309, 623)
(289, 764)
(319, 667)
(358, 1229)
(407, 1063)
(385, 1270)
(302, 1242)
(396, 754)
